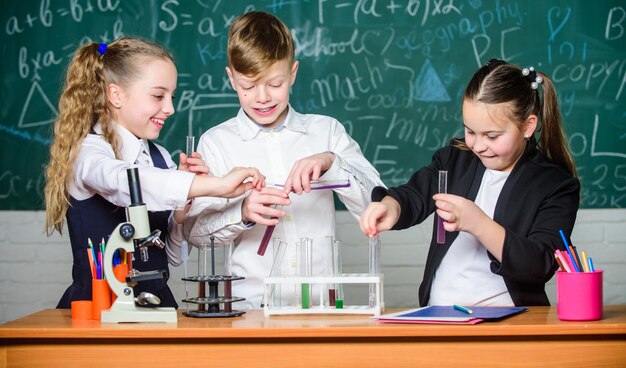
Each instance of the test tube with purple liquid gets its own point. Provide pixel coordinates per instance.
(443, 188)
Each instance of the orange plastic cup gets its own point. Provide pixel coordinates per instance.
(100, 297)
(120, 272)
(81, 310)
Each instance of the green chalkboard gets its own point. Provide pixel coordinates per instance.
(393, 72)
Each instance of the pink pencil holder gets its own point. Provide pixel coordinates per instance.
(579, 295)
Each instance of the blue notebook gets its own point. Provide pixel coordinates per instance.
(447, 314)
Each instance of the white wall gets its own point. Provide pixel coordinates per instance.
(35, 269)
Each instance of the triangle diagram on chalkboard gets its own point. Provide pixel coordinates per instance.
(428, 85)
(36, 103)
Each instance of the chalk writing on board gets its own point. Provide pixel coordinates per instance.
(392, 72)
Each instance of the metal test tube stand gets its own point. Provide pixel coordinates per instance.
(130, 236)
(209, 305)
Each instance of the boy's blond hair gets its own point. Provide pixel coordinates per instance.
(257, 40)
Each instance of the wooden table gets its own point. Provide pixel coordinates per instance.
(533, 339)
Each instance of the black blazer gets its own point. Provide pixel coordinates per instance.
(538, 199)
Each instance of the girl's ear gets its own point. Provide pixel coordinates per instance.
(115, 95)
(530, 126)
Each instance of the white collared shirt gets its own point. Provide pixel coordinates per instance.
(464, 276)
(97, 171)
(241, 142)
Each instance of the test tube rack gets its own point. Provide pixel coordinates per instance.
(323, 307)
(209, 306)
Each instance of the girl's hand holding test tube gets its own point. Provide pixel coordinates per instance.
(190, 161)
(458, 213)
(461, 214)
(380, 216)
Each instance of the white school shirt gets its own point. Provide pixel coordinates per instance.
(97, 171)
(464, 276)
(241, 142)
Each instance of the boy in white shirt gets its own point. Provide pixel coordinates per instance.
(290, 148)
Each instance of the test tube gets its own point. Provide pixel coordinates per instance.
(203, 257)
(339, 301)
(274, 295)
(228, 289)
(335, 295)
(374, 265)
(443, 188)
(332, 295)
(190, 145)
(202, 272)
(267, 235)
(212, 255)
(305, 266)
(228, 258)
(184, 252)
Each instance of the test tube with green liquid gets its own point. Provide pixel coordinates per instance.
(338, 269)
(305, 266)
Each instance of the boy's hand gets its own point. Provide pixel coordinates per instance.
(257, 207)
(379, 216)
(194, 164)
(306, 170)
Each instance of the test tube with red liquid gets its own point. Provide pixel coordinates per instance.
(443, 188)
(267, 236)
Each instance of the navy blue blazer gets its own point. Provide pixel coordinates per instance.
(538, 199)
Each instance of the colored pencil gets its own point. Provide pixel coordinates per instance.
(564, 262)
(569, 252)
(584, 261)
(92, 266)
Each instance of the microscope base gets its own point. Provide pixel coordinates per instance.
(167, 315)
(122, 311)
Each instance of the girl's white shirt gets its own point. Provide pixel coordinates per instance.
(464, 276)
(97, 171)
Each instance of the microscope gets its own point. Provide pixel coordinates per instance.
(134, 235)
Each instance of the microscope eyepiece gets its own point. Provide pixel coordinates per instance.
(134, 186)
